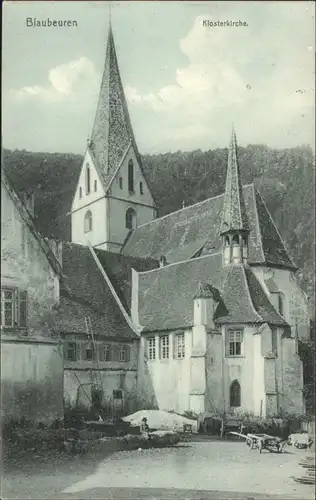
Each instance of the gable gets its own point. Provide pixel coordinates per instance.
(81, 197)
(118, 186)
(18, 229)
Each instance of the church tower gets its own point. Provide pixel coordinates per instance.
(112, 195)
(234, 227)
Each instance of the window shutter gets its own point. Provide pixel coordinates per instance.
(22, 309)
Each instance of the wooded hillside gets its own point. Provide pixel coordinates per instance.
(285, 179)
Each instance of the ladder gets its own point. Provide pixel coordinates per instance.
(95, 372)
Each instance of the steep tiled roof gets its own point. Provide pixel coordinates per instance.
(84, 293)
(119, 269)
(112, 132)
(180, 235)
(166, 295)
(234, 216)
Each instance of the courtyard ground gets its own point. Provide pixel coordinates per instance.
(197, 470)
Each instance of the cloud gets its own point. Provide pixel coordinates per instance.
(261, 77)
(67, 81)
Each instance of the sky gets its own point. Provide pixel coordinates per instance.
(185, 83)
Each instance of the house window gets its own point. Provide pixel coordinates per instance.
(121, 182)
(131, 176)
(95, 185)
(274, 340)
(71, 351)
(234, 394)
(80, 192)
(123, 353)
(13, 308)
(89, 352)
(180, 346)
(152, 348)
(88, 222)
(234, 343)
(87, 179)
(164, 347)
(280, 304)
(130, 219)
(141, 188)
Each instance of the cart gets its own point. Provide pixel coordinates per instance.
(262, 442)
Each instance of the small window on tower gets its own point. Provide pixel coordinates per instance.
(131, 176)
(141, 188)
(236, 239)
(130, 219)
(88, 179)
(227, 242)
(121, 182)
(95, 185)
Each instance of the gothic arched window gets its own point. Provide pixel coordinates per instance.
(88, 222)
(234, 394)
(227, 242)
(121, 182)
(80, 192)
(130, 219)
(95, 185)
(87, 179)
(131, 176)
(236, 239)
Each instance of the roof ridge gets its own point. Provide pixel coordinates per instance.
(189, 206)
(278, 232)
(257, 221)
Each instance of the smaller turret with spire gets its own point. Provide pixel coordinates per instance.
(234, 227)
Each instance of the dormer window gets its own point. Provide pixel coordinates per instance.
(131, 176)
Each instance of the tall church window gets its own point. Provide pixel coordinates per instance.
(234, 394)
(131, 176)
(121, 182)
(95, 185)
(235, 338)
(88, 187)
(130, 219)
(80, 192)
(141, 188)
(88, 222)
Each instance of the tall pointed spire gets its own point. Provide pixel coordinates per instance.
(112, 131)
(234, 211)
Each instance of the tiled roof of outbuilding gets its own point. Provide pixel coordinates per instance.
(85, 293)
